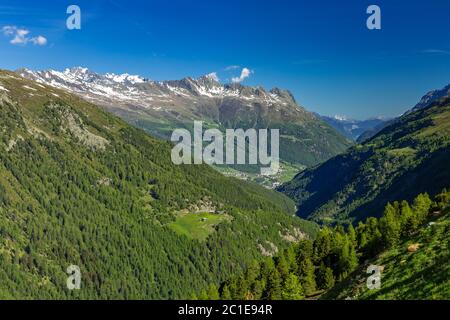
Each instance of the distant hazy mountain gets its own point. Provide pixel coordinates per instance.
(369, 133)
(428, 99)
(351, 128)
(160, 106)
(407, 157)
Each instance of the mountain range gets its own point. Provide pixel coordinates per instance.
(424, 102)
(159, 107)
(79, 186)
(409, 155)
(431, 97)
(351, 128)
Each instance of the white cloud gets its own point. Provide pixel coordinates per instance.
(436, 51)
(229, 68)
(21, 36)
(9, 30)
(39, 40)
(245, 73)
(213, 76)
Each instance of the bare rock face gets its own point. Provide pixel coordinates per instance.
(431, 97)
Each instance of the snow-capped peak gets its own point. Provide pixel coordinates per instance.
(124, 78)
(340, 118)
(213, 76)
(125, 89)
(431, 97)
(79, 70)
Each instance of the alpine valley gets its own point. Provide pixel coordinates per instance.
(353, 129)
(409, 155)
(79, 186)
(159, 107)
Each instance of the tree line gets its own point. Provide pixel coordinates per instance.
(312, 266)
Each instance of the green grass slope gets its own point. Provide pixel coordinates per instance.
(409, 244)
(79, 186)
(423, 274)
(409, 157)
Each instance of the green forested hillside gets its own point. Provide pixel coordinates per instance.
(405, 158)
(415, 267)
(409, 245)
(81, 187)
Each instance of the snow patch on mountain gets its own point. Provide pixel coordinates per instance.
(145, 93)
(340, 118)
(431, 97)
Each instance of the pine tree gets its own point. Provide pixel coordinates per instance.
(352, 235)
(390, 226)
(213, 293)
(329, 278)
(347, 259)
(226, 295)
(274, 286)
(244, 288)
(292, 289)
(258, 289)
(253, 271)
(267, 267)
(282, 266)
(375, 241)
(203, 295)
(362, 236)
(291, 258)
(234, 288)
(407, 219)
(322, 244)
(442, 200)
(325, 277)
(421, 207)
(306, 276)
(193, 297)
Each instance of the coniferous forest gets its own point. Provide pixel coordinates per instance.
(80, 187)
(238, 158)
(337, 255)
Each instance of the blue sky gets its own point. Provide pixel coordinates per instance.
(320, 50)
